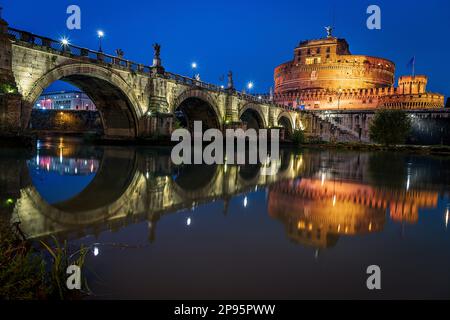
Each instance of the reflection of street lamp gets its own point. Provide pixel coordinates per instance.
(100, 35)
(446, 217)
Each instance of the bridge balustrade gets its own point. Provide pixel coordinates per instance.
(23, 36)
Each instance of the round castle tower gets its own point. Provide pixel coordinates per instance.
(328, 64)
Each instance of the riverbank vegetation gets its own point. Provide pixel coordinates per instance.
(298, 137)
(32, 270)
(390, 127)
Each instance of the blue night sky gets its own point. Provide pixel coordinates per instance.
(249, 37)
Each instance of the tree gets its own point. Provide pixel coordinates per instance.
(390, 127)
(298, 137)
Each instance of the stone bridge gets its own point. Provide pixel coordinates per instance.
(134, 100)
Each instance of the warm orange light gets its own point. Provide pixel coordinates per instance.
(301, 225)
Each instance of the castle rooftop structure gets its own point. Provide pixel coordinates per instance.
(324, 75)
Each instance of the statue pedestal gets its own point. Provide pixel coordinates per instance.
(157, 125)
(157, 70)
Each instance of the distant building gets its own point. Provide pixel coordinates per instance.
(324, 75)
(65, 100)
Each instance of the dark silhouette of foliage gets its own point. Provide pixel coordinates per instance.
(298, 137)
(390, 127)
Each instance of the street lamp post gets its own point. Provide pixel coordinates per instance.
(65, 44)
(100, 35)
(250, 86)
(194, 67)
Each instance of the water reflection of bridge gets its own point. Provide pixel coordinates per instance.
(317, 196)
(131, 186)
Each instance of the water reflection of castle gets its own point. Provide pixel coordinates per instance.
(316, 212)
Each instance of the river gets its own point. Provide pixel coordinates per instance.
(160, 231)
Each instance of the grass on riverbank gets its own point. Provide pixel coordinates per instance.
(34, 271)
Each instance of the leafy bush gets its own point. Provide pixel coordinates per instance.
(7, 88)
(298, 137)
(22, 273)
(390, 127)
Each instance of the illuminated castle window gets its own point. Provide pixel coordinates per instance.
(313, 60)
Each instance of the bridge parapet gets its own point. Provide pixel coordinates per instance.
(58, 47)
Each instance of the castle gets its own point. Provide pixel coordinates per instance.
(324, 75)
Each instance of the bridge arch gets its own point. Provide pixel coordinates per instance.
(206, 179)
(253, 115)
(198, 105)
(286, 121)
(117, 104)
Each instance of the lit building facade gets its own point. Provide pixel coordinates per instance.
(324, 75)
(65, 100)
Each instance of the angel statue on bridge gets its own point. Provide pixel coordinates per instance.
(157, 48)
